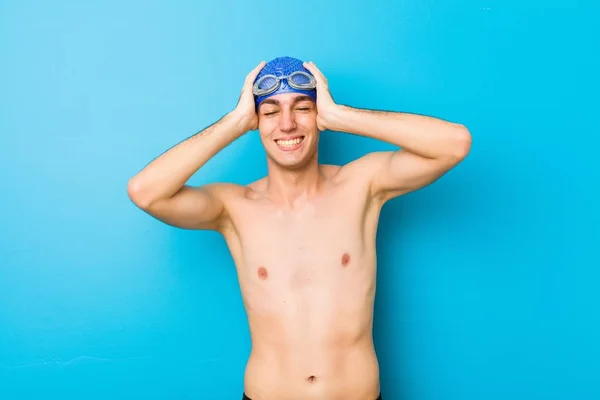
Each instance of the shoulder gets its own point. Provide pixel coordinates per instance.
(255, 189)
(360, 174)
(225, 192)
(223, 189)
(364, 168)
(232, 191)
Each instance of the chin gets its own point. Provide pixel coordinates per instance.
(287, 163)
(294, 166)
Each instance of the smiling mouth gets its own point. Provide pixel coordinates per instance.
(288, 144)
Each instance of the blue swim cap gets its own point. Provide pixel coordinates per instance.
(284, 66)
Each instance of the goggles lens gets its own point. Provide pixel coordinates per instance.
(298, 80)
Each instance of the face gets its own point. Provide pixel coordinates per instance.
(287, 123)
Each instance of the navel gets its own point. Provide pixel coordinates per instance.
(311, 378)
(262, 273)
(345, 259)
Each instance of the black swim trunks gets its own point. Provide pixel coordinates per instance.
(248, 398)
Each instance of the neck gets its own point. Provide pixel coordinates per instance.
(292, 187)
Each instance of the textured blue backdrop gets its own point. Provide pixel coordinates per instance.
(487, 279)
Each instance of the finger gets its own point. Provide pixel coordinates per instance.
(252, 75)
(316, 72)
(310, 67)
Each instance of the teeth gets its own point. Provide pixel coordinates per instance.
(288, 143)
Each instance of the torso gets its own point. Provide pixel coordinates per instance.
(307, 279)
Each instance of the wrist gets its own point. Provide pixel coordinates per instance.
(336, 118)
(239, 122)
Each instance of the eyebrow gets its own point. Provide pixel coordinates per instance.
(302, 98)
(296, 100)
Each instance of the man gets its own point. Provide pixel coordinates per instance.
(303, 237)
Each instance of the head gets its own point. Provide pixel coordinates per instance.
(287, 116)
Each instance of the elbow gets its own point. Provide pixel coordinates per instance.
(463, 141)
(135, 194)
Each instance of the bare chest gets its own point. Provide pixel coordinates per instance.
(307, 246)
(311, 237)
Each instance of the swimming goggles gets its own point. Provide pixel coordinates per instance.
(300, 80)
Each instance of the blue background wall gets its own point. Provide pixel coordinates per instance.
(487, 279)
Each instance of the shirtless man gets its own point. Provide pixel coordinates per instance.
(303, 237)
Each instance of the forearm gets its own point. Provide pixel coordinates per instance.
(426, 136)
(168, 173)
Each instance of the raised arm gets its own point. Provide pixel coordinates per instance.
(160, 188)
(430, 146)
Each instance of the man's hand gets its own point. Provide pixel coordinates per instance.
(326, 106)
(245, 108)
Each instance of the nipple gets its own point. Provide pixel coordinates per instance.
(262, 273)
(345, 259)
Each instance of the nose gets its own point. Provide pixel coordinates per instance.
(287, 122)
